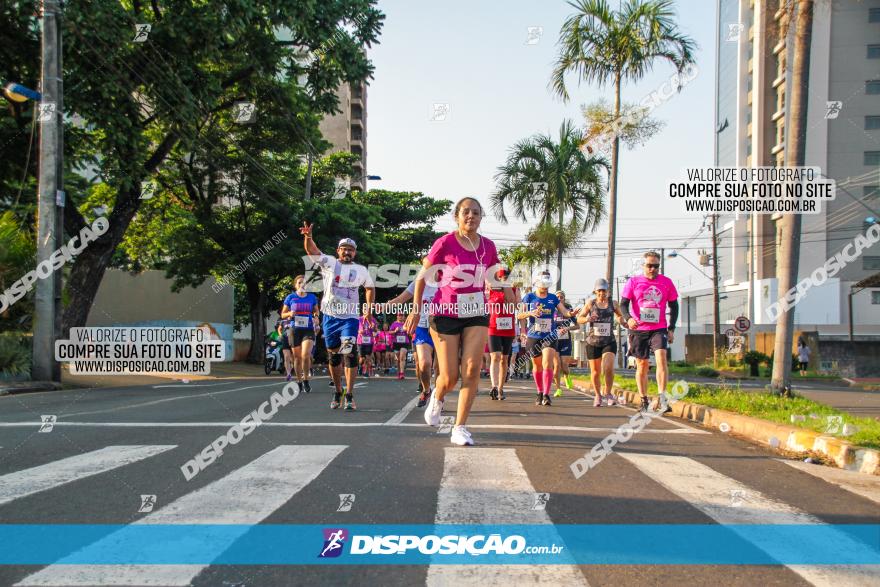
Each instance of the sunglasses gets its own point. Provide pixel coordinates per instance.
(652, 265)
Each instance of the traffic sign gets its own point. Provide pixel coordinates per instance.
(742, 324)
(730, 332)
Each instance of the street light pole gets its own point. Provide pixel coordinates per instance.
(715, 300)
(47, 225)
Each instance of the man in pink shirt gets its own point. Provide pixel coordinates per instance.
(649, 294)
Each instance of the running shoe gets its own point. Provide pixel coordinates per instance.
(621, 400)
(330, 383)
(433, 411)
(546, 401)
(334, 405)
(612, 401)
(289, 376)
(400, 375)
(539, 399)
(557, 393)
(461, 436)
(307, 386)
(299, 386)
(661, 405)
(493, 394)
(423, 399)
(645, 404)
(349, 403)
(501, 395)
(597, 401)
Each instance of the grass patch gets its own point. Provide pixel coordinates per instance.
(764, 405)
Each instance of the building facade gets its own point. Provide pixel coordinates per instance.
(753, 84)
(347, 130)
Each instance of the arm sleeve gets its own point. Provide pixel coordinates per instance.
(624, 309)
(673, 314)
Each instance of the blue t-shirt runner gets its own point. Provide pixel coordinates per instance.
(542, 326)
(303, 308)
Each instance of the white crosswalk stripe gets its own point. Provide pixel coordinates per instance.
(490, 486)
(246, 496)
(43, 477)
(710, 492)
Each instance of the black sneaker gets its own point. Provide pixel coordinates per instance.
(334, 405)
(645, 404)
(546, 401)
(299, 386)
(307, 387)
(501, 395)
(349, 403)
(330, 383)
(423, 399)
(494, 393)
(539, 400)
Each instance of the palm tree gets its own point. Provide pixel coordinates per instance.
(790, 224)
(552, 181)
(603, 46)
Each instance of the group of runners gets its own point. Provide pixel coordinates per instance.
(463, 307)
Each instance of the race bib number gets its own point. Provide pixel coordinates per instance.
(471, 304)
(401, 338)
(651, 315)
(366, 339)
(301, 321)
(601, 329)
(542, 325)
(505, 323)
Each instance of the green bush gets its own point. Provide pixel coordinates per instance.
(15, 354)
(706, 371)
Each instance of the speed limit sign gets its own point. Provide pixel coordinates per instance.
(742, 324)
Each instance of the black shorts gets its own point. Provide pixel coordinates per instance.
(534, 346)
(455, 326)
(500, 344)
(400, 345)
(285, 340)
(564, 347)
(365, 350)
(596, 352)
(643, 343)
(301, 334)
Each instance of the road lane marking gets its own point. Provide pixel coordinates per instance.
(400, 416)
(511, 426)
(490, 486)
(177, 385)
(868, 486)
(711, 492)
(246, 496)
(44, 477)
(167, 399)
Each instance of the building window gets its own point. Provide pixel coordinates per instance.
(872, 87)
(872, 158)
(874, 15)
(873, 51)
(872, 123)
(871, 262)
(875, 298)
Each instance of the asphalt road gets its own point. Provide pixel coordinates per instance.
(110, 446)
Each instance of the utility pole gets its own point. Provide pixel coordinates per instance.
(47, 223)
(663, 261)
(715, 299)
(309, 177)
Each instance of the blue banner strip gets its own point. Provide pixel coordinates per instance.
(280, 544)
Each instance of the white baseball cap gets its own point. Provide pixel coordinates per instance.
(347, 242)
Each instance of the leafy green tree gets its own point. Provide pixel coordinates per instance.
(17, 257)
(552, 181)
(174, 96)
(605, 46)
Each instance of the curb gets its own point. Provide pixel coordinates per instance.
(27, 386)
(844, 454)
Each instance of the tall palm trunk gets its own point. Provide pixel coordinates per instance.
(612, 190)
(790, 235)
(559, 251)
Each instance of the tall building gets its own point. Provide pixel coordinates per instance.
(753, 85)
(347, 130)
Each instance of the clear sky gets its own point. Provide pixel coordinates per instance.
(475, 56)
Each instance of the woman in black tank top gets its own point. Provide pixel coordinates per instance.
(599, 315)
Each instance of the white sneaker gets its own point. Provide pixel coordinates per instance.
(461, 436)
(433, 411)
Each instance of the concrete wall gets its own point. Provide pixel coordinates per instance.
(146, 299)
(857, 359)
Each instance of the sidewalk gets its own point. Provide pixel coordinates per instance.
(218, 371)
